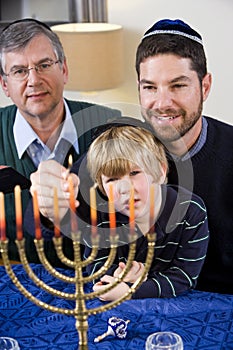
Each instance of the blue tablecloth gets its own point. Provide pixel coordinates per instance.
(203, 320)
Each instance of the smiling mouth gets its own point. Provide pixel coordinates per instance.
(165, 118)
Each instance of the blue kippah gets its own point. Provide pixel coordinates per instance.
(178, 27)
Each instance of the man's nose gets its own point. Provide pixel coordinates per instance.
(33, 76)
(163, 99)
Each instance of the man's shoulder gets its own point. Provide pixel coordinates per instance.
(11, 109)
(7, 114)
(183, 195)
(219, 125)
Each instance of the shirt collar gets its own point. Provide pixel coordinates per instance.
(22, 127)
(196, 147)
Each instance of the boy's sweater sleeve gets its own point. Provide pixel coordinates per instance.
(170, 279)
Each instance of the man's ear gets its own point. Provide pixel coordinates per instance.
(4, 86)
(206, 85)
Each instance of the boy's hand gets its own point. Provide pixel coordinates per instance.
(114, 293)
(134, 273)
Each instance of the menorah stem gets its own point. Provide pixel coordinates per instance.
(80, 309)
(82, 328)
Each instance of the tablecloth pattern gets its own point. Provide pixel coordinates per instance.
(203, 320)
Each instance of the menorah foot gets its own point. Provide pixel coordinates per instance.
(82, 328)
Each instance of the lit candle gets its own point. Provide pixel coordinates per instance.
(2, 217)
(131, 212)
(38, 234)
(18, 213)
(70, 161)
(152, 208)
(57, 232)
(93, 211)
(74, 222)
(112, 214)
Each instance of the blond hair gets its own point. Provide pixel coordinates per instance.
(118, 148)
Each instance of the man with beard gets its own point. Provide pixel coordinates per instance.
(173, 83)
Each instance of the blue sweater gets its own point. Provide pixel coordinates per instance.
(212, 169)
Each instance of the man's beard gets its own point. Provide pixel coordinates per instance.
(169, 133)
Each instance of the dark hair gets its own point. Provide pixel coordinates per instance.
(173, 44)
(16, 36)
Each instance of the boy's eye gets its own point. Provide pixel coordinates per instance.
(134, 172)
(111, 179)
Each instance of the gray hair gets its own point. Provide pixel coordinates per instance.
(16, 36)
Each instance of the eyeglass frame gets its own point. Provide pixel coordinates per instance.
(51, 63)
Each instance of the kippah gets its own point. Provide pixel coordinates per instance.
(178, 27)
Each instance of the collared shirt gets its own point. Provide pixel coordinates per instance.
(197, 146)
(27, 140)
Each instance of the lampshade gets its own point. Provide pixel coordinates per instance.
(94, 53)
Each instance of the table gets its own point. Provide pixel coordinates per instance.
(203, 320)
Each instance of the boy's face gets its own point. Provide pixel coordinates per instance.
(141, 182)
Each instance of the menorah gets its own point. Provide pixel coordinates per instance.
(79, 280)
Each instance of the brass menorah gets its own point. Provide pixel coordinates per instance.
(80, 311)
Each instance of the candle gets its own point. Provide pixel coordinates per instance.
(93, 211)
(74, 222)
(112, 214)
(18, 213)
(2, 217)
(70, 161)
(131, 212)
(57, 232)
(152, 208)
(38, 234)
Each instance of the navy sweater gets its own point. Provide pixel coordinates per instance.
(212, 171)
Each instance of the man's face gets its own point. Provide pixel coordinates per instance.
(40, 93)
(171, 96)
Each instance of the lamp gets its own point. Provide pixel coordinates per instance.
(94, 53)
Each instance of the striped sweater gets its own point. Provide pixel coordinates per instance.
(180, 250)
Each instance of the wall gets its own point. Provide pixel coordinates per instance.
(212, 18)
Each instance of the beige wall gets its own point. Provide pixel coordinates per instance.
(212, 18)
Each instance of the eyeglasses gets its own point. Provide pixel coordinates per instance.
(22, 73)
